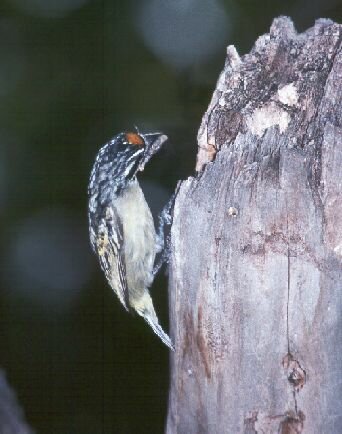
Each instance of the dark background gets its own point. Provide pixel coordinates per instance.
(72, 74)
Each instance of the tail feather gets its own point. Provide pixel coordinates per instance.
(159, 332)
(144, 307)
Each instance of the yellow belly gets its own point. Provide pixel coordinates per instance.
(139, 239)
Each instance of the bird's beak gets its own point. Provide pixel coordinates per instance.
(153, 142)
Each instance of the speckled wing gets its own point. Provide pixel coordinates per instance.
(108, 245)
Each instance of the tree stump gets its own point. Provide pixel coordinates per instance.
(255, 273)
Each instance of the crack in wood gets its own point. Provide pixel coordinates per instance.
(257, 422)
(201, 344)
(257, 301)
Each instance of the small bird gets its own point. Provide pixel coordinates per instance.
(121, 227)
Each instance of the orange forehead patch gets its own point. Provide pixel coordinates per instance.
(134, 139)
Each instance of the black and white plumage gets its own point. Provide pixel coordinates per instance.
(121, 226)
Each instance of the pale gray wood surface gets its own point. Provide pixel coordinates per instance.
(255, 273)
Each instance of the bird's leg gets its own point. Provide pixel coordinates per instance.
(164, 238)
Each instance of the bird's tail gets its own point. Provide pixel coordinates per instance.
(144, 307)
(156, 327)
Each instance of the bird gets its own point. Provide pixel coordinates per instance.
(121, 226)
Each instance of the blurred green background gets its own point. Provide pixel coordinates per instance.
(73, 73)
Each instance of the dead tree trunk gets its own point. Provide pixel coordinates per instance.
(12, 420)
(255, 274)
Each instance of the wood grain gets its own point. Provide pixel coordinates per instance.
(255, 274)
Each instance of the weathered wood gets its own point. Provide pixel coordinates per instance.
(255, 273)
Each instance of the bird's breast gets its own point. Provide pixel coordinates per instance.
(139, 236)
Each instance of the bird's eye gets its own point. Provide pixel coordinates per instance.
(134, 139)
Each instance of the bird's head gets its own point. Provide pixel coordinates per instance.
(132, 150)
(118, 161)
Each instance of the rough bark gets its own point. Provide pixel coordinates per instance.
(255, 273)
